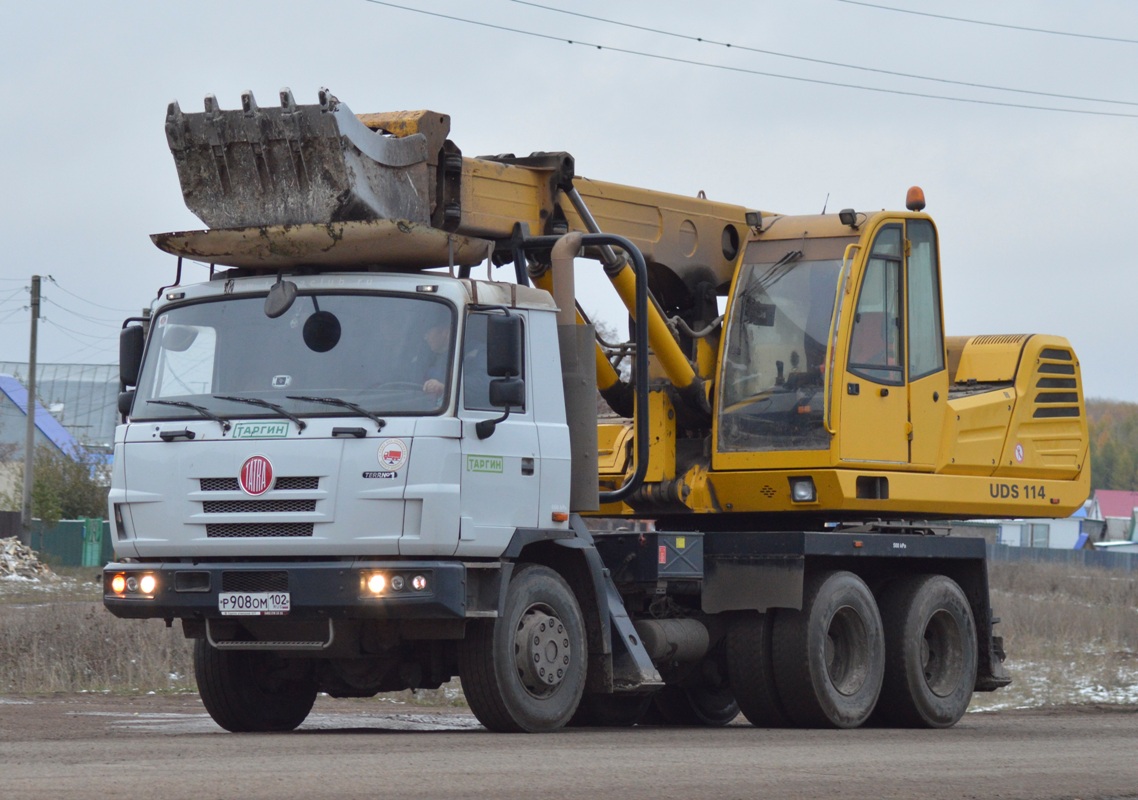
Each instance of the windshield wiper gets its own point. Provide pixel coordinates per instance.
(256, 401)
(336, 401)
(205, 412)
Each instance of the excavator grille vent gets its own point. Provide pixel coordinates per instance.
(1057, 387)
(1011, 338)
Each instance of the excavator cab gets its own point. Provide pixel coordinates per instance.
(833, 352)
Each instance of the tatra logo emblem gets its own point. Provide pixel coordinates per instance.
(256, 475)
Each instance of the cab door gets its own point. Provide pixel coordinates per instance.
(501, 474)
(895, 388)
(874, 421)
(928, 377)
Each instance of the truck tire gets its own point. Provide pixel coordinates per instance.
(930, 653)
(829, 658)
(750, 670)
(699, 705)
(610, 710)
(250, 690)
(525, 670)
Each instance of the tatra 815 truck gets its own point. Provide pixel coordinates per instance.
(352, 461)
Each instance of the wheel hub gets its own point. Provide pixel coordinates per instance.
(541, 651)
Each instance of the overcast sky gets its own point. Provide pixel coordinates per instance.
(1033, 206)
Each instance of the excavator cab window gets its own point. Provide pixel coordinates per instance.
(771, 391)
(875, 342)
(926, 339)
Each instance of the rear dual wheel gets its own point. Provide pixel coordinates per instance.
(931, 647)
(750, 670)
(709, 706)
(828, 659)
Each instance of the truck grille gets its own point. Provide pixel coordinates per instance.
(254, 581)
(285, 483)
(258, 530)
(258, 506)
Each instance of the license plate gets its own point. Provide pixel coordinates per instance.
(253, 603)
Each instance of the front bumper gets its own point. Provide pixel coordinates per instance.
(335, 590)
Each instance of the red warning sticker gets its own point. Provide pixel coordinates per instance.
(663, 554)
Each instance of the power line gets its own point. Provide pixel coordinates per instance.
(745, 48)
(77, 314)
(745, 71)
(12, 314)
(991, 24)
(76, 333)
(84, 299)
(13, 293)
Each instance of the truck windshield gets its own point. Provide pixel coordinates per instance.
(386, 354)
(771, 392)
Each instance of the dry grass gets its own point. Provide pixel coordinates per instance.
(1071, 635)
(76, 646)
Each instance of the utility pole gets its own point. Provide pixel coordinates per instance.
(30, 437)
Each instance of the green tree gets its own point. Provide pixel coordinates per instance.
(1114, 444)
(63, 487)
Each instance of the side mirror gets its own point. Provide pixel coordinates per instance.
(506, 392)
(131, 341)
(126, 400)
(503, 346)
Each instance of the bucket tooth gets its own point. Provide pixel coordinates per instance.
(248, 103)
(288, 104)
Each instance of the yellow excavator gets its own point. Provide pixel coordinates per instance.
(755, 521)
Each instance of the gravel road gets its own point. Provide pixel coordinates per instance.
(82, 746)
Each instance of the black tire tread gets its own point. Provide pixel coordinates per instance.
(487, 686)
(750, 670)
(228, 690)
(897, 706)
(790, 655)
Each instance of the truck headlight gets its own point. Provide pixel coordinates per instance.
(132, 584)
(802, 490)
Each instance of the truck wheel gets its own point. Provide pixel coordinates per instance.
(750, 670)
(525, 670)
(251, 690)
(930, 649)
(829, 657)
(699, 705)
(610, 710)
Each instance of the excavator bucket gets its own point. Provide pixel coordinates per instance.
(296, 164)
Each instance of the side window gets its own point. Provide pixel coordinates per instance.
(475, 380)
(926, 339)
(875, 342)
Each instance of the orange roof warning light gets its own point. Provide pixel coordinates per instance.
(915, 198)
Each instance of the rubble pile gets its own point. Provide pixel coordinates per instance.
(18, 561)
